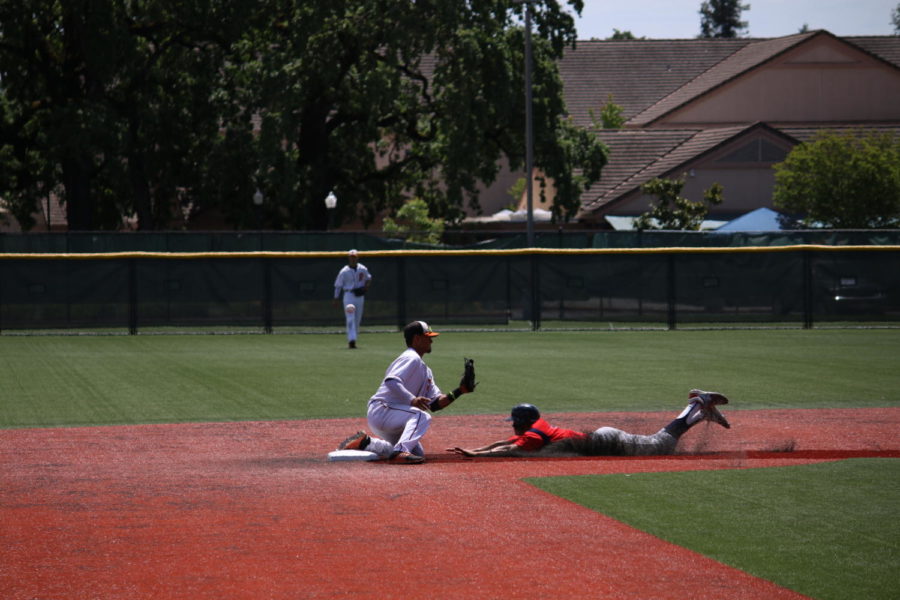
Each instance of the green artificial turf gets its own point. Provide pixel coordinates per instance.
(78, 380)
(837, 513)
(828, 530)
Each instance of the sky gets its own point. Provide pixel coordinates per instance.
(680, 19)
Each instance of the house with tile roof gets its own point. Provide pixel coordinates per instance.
(723, 111)
(709, 110)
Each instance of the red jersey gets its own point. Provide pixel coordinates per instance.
(542, 433)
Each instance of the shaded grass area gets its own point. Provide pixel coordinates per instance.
(828, 530)
(82, 380)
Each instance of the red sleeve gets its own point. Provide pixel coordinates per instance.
(529, 441)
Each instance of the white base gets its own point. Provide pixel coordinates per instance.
(345, 455)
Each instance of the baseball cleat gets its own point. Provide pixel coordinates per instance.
(707, 398)
(357, 441)
(405, 458)
(708, 402)
(711, 413)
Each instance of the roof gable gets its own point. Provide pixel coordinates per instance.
(635, 73)
(631, 152)
(700, 103)
(637, 156)
(781, 80)
(750, 56)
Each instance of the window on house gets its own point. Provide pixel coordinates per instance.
(759, 150)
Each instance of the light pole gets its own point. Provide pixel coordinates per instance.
(535, 308)
(330, 205)
(529, 128)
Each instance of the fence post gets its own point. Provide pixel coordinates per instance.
(508, 289)
(132, 297)
(267, 295)
(535, 293)
(401, 292)
(671, 290)
(807, 290)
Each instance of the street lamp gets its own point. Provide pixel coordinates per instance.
(330, 205)
(257, 207)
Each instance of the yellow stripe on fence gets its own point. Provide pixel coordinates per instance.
(492, 252)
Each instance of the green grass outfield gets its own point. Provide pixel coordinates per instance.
(106, 380)
(829, 530)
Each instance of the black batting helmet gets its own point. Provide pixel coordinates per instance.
(524, 414)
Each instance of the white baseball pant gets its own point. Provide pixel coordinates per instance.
(354, 318)
(399, 427)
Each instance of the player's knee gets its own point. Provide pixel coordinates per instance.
(423, 419)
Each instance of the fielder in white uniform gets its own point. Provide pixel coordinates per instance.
(399, 411)
(350, 286)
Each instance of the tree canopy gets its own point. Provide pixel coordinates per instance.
(413, 224)
(156, 111)
(672, 211)
(845, 180)
(722, 18)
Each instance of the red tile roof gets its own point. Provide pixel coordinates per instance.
(639, 155)
(637, 73)
(651, 78)
(749, 57)
(805, 134)
(885, 47)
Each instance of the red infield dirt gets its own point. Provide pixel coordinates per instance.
(253, 510)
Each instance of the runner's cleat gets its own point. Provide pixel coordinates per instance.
(711, 413)
(705, 403)
(708, 398)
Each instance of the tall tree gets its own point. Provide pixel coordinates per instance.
(842, 180)
(106, 105)
(722, 18)
(380, 100)
(137, 110)
(622, 35)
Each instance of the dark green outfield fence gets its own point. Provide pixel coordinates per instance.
(134, 292)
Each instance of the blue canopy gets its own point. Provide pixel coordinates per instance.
(761, 219)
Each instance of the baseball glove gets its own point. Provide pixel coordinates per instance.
(359, 291)
(467, 383)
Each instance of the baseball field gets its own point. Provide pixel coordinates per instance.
(194, 466)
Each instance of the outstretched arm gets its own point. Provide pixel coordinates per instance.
(500, 448)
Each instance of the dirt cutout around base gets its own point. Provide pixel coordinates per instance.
(254, 510)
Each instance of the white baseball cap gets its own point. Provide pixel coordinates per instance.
(419, 328)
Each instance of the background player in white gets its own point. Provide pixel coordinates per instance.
(350, 286)
(399, 412)
(532, 433)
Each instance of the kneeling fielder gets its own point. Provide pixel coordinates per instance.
(533, 433)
